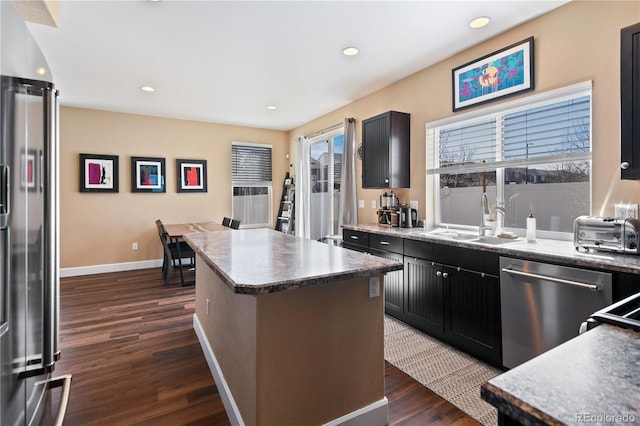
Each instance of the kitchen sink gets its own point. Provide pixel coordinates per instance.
(472, 238)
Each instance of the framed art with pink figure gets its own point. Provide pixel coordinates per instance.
(502, 73)
(98, 173)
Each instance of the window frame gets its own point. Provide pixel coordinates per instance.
(253, 184)
(498, 112)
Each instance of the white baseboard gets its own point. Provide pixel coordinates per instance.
(111, 267)
(223, 388)
(375, 414)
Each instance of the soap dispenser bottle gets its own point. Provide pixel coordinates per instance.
(531, 228)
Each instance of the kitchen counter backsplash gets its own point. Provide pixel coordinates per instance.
(541, 250)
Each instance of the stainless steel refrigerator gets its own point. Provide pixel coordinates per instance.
(29, 282)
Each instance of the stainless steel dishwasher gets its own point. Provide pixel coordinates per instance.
(543, 305)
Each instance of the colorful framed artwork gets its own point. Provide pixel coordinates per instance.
(502, 73)
(147, 174)
(98, 173)
(192, 175)
(28, 170)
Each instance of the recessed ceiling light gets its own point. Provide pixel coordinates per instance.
(479, 22)
(147, 89)
(272, 107)
(350, 51)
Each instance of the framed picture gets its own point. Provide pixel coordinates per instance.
(147, 174)
(192, 175)
(502, 73)
(28, 170)
(98, 173)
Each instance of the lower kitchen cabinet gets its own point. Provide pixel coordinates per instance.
(393, 286)
(472, 312)
(453, 304)
(424, 301)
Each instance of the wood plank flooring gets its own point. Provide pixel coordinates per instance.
(129, 343)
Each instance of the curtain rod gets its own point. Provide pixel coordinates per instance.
(326, 129)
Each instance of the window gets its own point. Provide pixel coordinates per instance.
(251, 184)
(531, 155)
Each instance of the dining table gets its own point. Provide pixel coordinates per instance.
(177, 230)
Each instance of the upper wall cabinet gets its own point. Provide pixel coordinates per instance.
(630, 102)
(385, 151)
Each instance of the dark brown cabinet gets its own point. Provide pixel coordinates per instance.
(424, 299)
(630, 102)
(472, 313)
(385, 151)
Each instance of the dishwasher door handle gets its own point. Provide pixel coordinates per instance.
(592, 287)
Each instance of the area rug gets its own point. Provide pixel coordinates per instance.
(452, 374)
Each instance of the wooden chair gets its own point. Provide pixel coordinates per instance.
(226, 221)
(235, 224)
(174, 252)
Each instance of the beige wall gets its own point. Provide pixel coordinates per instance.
(98, 228)
(577, 42)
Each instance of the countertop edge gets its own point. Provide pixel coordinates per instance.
(515, 408)
(386, 265)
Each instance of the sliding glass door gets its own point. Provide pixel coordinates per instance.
(325, 165)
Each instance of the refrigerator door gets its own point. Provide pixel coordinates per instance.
(28, 227)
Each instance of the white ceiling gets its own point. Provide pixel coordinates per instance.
(225, 61)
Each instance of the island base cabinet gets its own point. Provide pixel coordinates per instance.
(305, 356)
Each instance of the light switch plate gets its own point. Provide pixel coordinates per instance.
(626, 211)
(361, 204)
(373, 204)
(413, 204)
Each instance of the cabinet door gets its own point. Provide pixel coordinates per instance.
(630, 102)
(375, 151)
(423, 295)
(472, 313)
(393, 286)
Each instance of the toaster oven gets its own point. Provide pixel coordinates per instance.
(606, 233)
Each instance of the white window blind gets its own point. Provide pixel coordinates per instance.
(546, 131)
(250, 163)
(251, 179)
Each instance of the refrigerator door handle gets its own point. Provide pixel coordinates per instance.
(50, 352)
(65, 382)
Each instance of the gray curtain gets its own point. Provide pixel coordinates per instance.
(348, 206)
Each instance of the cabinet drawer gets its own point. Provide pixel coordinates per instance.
(470, 259)
(355, 238)
(386, 243)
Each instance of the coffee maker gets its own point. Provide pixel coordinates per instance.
(388, 211)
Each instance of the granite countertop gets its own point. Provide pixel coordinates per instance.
(543, 250)
(257, 261)
(592, 378)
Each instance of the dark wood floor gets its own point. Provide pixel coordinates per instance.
(129, 343)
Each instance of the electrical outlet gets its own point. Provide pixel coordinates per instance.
(373, 204)
(413, 204)
(626, 211)
(374, 286)
(134, 246)
(361, 204)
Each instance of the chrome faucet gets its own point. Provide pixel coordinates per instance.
(484, 202)
(500, 215)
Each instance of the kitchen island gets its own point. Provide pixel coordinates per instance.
(292, 330)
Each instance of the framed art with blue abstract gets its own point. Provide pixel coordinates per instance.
(148, 174)
(502, 73)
